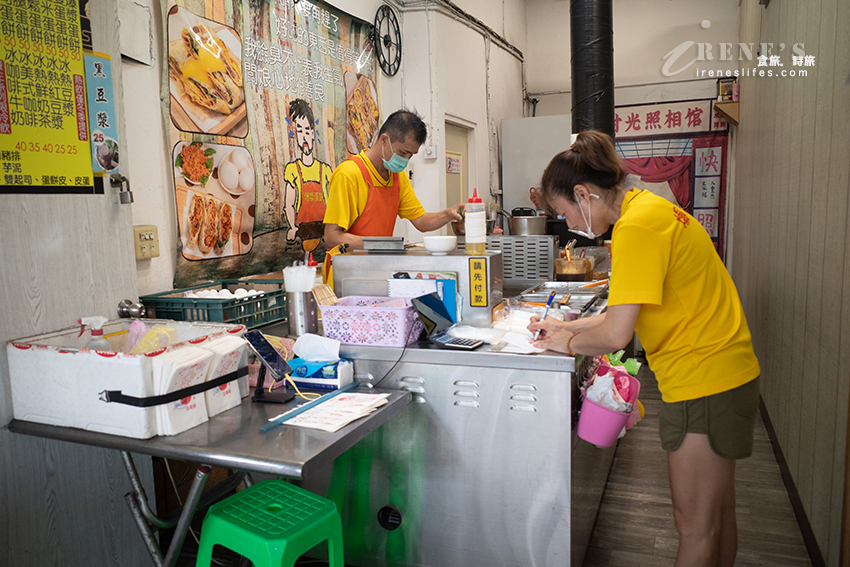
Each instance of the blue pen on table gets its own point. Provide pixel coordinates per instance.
(545, 312)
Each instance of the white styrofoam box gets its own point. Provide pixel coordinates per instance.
(56, 381)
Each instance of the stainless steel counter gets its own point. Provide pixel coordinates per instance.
(480, 357)
(232, 439)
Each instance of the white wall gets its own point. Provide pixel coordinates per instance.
(146, 162)
(644, 32)
(453, 71)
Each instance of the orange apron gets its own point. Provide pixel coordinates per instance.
(378, 216)
(311, 206)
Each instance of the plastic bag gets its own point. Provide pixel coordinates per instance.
(158, 337)
(604, 392)
(136, 332)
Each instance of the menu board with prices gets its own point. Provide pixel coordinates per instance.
(104, 127)
(44, 131)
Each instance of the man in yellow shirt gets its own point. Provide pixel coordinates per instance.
(369, 190)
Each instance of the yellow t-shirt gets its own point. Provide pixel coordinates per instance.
(349, 191)
(691, 322)
(318, 172)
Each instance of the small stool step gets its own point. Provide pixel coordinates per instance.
(272, 523)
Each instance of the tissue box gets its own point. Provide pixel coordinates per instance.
(321, 375)
(54, 380)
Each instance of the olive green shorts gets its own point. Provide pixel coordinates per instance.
(728, 418)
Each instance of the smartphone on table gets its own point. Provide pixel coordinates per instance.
(273, 364)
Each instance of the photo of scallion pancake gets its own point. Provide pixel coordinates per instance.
(205, 75)
(200, 39)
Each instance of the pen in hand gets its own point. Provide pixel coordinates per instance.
(545, 312)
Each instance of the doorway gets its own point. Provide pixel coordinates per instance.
(457, 164)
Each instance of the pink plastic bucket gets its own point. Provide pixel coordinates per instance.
(601, 426)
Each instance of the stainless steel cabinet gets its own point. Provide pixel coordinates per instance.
(478, 471)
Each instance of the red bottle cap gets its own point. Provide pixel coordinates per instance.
(311, 261)
(475, 198)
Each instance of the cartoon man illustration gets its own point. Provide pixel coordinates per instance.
(306, 179)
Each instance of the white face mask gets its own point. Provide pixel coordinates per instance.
(587, 220)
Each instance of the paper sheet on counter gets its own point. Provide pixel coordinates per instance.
(337, 412)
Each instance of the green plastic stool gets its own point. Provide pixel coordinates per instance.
(272, 523)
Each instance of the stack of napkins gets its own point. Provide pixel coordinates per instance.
(339, 411)
(174, 370)
(229, 354)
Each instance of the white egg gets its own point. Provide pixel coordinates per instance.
(226, 293)
(228, 175)
(246, 179)
(240, 292)
(239, 159)
(253, 292)
(202, 294)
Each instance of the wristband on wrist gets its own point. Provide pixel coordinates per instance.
(569, 349)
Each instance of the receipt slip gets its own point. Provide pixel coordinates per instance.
(337, 412)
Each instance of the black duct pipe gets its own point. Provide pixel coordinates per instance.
(592, 64)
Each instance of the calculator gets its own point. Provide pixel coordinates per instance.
(437, 322)
(447, 341)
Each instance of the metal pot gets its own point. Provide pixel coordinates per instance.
(524, 221)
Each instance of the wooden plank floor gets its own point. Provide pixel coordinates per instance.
(635, 528)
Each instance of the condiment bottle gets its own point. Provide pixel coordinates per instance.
(475, 225)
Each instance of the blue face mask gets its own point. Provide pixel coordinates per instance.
(396, 163)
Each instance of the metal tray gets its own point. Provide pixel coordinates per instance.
(579, 297)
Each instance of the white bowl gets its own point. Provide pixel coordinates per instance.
(439, 245)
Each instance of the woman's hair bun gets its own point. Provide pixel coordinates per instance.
(591, 159)
(598, 153)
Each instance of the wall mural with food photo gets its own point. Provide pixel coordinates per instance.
(263, 101)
